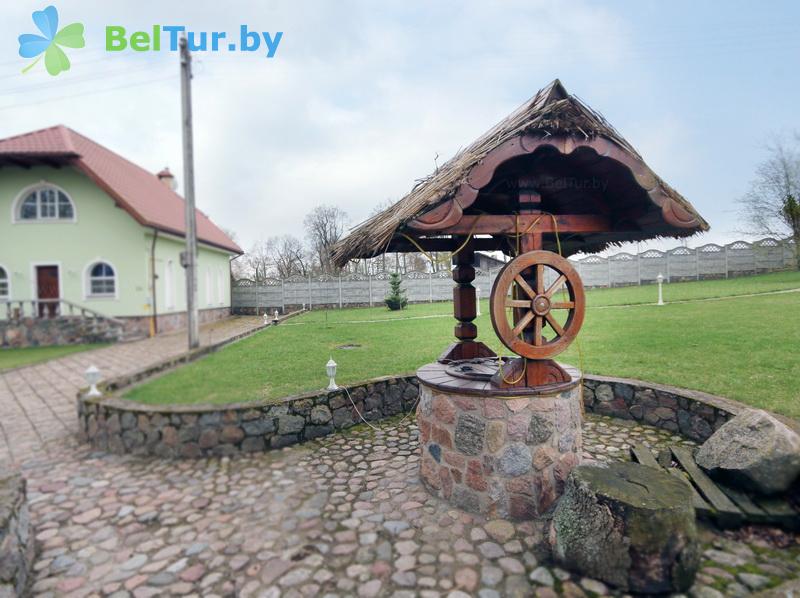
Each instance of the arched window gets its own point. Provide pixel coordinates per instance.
(46, 203)
(102, 280)
(3, 284)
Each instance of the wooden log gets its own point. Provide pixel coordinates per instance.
(727, 513)
(628, 525)
(780, 512)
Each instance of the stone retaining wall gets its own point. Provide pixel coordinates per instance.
(189, 431)
(693, 414)
(61, 330)
(124, 426)
(16, 539)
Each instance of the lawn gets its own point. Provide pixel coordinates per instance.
(14, 358)
(744, 347)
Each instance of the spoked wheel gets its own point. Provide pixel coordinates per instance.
(521, 286)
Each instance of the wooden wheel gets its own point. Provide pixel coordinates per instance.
(534, 305)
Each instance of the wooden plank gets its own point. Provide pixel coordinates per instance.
(728, 514)
(780, 512)
(751, 510)
(489, 224)
(641, 454)
(702, 508)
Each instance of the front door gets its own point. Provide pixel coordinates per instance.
(47, 288)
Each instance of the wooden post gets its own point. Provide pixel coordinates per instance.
(464, 292)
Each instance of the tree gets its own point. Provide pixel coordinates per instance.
(324, 225)
(288, 256)
(771, 204)
(259, 259)
(396, 299)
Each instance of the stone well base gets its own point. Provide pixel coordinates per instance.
(502, 457)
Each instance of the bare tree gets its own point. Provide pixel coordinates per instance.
(288, 256)
(239, 268)
(324, 225)
(259, 259)
(772, 204)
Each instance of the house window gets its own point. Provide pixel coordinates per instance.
(102, 280)
(208, 285)
(46, 203)
(220, 292)
(3, 284)
(169, 292)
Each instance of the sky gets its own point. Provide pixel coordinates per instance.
(361, 99)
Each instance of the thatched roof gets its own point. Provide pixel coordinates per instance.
(552, 114)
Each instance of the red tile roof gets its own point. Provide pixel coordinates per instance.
(147, 199)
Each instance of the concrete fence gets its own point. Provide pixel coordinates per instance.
(739, 258)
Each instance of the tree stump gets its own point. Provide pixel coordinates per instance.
(629, 525)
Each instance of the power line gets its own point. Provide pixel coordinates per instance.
(48, 86)
(86, 93)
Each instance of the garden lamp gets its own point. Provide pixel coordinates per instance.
(275, 318)
(478, 300)
(92, 376)
(660, 279)
(331, 369)
(266, 318)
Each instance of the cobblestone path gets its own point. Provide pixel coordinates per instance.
(341, 516)
(37, 402)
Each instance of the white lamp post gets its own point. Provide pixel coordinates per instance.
(660, 279)
(92, 376)
(275, 318)
(330, 367)
(266, 318)
(478, 300)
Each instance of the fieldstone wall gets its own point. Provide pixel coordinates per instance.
(16, 539)
(61, 330)
(695, 415)
(189, 431)
(505, 458)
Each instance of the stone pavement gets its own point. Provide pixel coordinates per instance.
(341, 516)
(37, 402)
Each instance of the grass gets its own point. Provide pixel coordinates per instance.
(744, 347)
(14, 358)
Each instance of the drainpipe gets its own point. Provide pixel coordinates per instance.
(154, 316)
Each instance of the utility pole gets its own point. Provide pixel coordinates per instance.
(189, 257)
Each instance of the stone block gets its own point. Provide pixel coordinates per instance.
(629, 525)
(469, 434)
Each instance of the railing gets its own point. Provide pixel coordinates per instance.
(52, 308)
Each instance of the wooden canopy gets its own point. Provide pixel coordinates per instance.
(554, 152)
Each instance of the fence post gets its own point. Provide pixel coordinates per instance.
(283, 297)
(258, 300)
(639, 268)
(340, 291)
(309, 292)
(369, 279)
(608, 271)
(725, 251)
(668, 254)
(430, 287)
(697, 261)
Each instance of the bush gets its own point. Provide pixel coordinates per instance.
(396, 299)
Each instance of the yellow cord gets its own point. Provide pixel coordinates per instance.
(453, 254)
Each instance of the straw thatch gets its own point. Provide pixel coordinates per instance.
(551, 111)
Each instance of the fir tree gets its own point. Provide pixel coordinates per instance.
(396, 299)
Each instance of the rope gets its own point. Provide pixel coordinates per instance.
(370, 424)
(453, 254)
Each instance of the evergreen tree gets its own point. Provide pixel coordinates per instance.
(396, 299)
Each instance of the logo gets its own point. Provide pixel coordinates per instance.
(50, 42)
